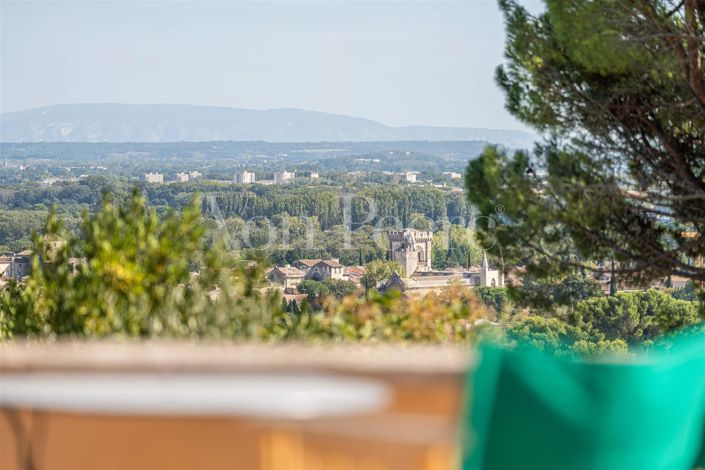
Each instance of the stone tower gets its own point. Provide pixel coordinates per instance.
(484, 270)
(411, 249)
(490, 277)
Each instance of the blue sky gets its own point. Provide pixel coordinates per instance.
(398, 62)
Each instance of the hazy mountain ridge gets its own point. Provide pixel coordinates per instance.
(187, 123)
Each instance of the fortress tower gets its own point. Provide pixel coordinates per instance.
(411, 249)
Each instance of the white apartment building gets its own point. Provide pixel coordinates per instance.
(282, 177)
(154, 177)
(452, 175)
(245, 177)
(188, 176)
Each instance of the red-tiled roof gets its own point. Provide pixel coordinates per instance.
(297, 297)
(332, 263)
(308, 262)
(355, 270)
(290, 271)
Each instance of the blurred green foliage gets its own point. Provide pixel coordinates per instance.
(133, 273)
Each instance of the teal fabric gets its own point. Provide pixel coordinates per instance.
(530, 410)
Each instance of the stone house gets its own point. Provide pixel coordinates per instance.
(287, 276)
(326, 269)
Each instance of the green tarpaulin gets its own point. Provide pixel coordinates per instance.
(528, 409)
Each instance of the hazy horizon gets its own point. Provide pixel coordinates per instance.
(520, 129)
(403, 63)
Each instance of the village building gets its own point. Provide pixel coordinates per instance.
(326, 269)
(354, 273)
(436, 281)
(411, 249)
(675, 282)
(452, 175)
(20, 265)
(306, 264)
(5, 262)
(288, 277)
(17, 266)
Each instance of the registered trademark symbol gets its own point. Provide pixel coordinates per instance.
(499, 208)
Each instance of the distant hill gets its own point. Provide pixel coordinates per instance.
(186, 123)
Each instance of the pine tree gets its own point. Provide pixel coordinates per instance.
(617, 91)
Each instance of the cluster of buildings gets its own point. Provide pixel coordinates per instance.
(290, 276)
(17, 266)
(407, 176)
(52, 180)
(5, 164)
(187, 176)
(180, 177)
(285, 177)
(411, 249)
(46, 182)
(603, 277)
(280, 177)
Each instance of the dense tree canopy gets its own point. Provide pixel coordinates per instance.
(628, 320)
(547, 294)
(282, 222)
(455, 246)
(379, 271)
(633, 316)
(497, 298)
(617, 90)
